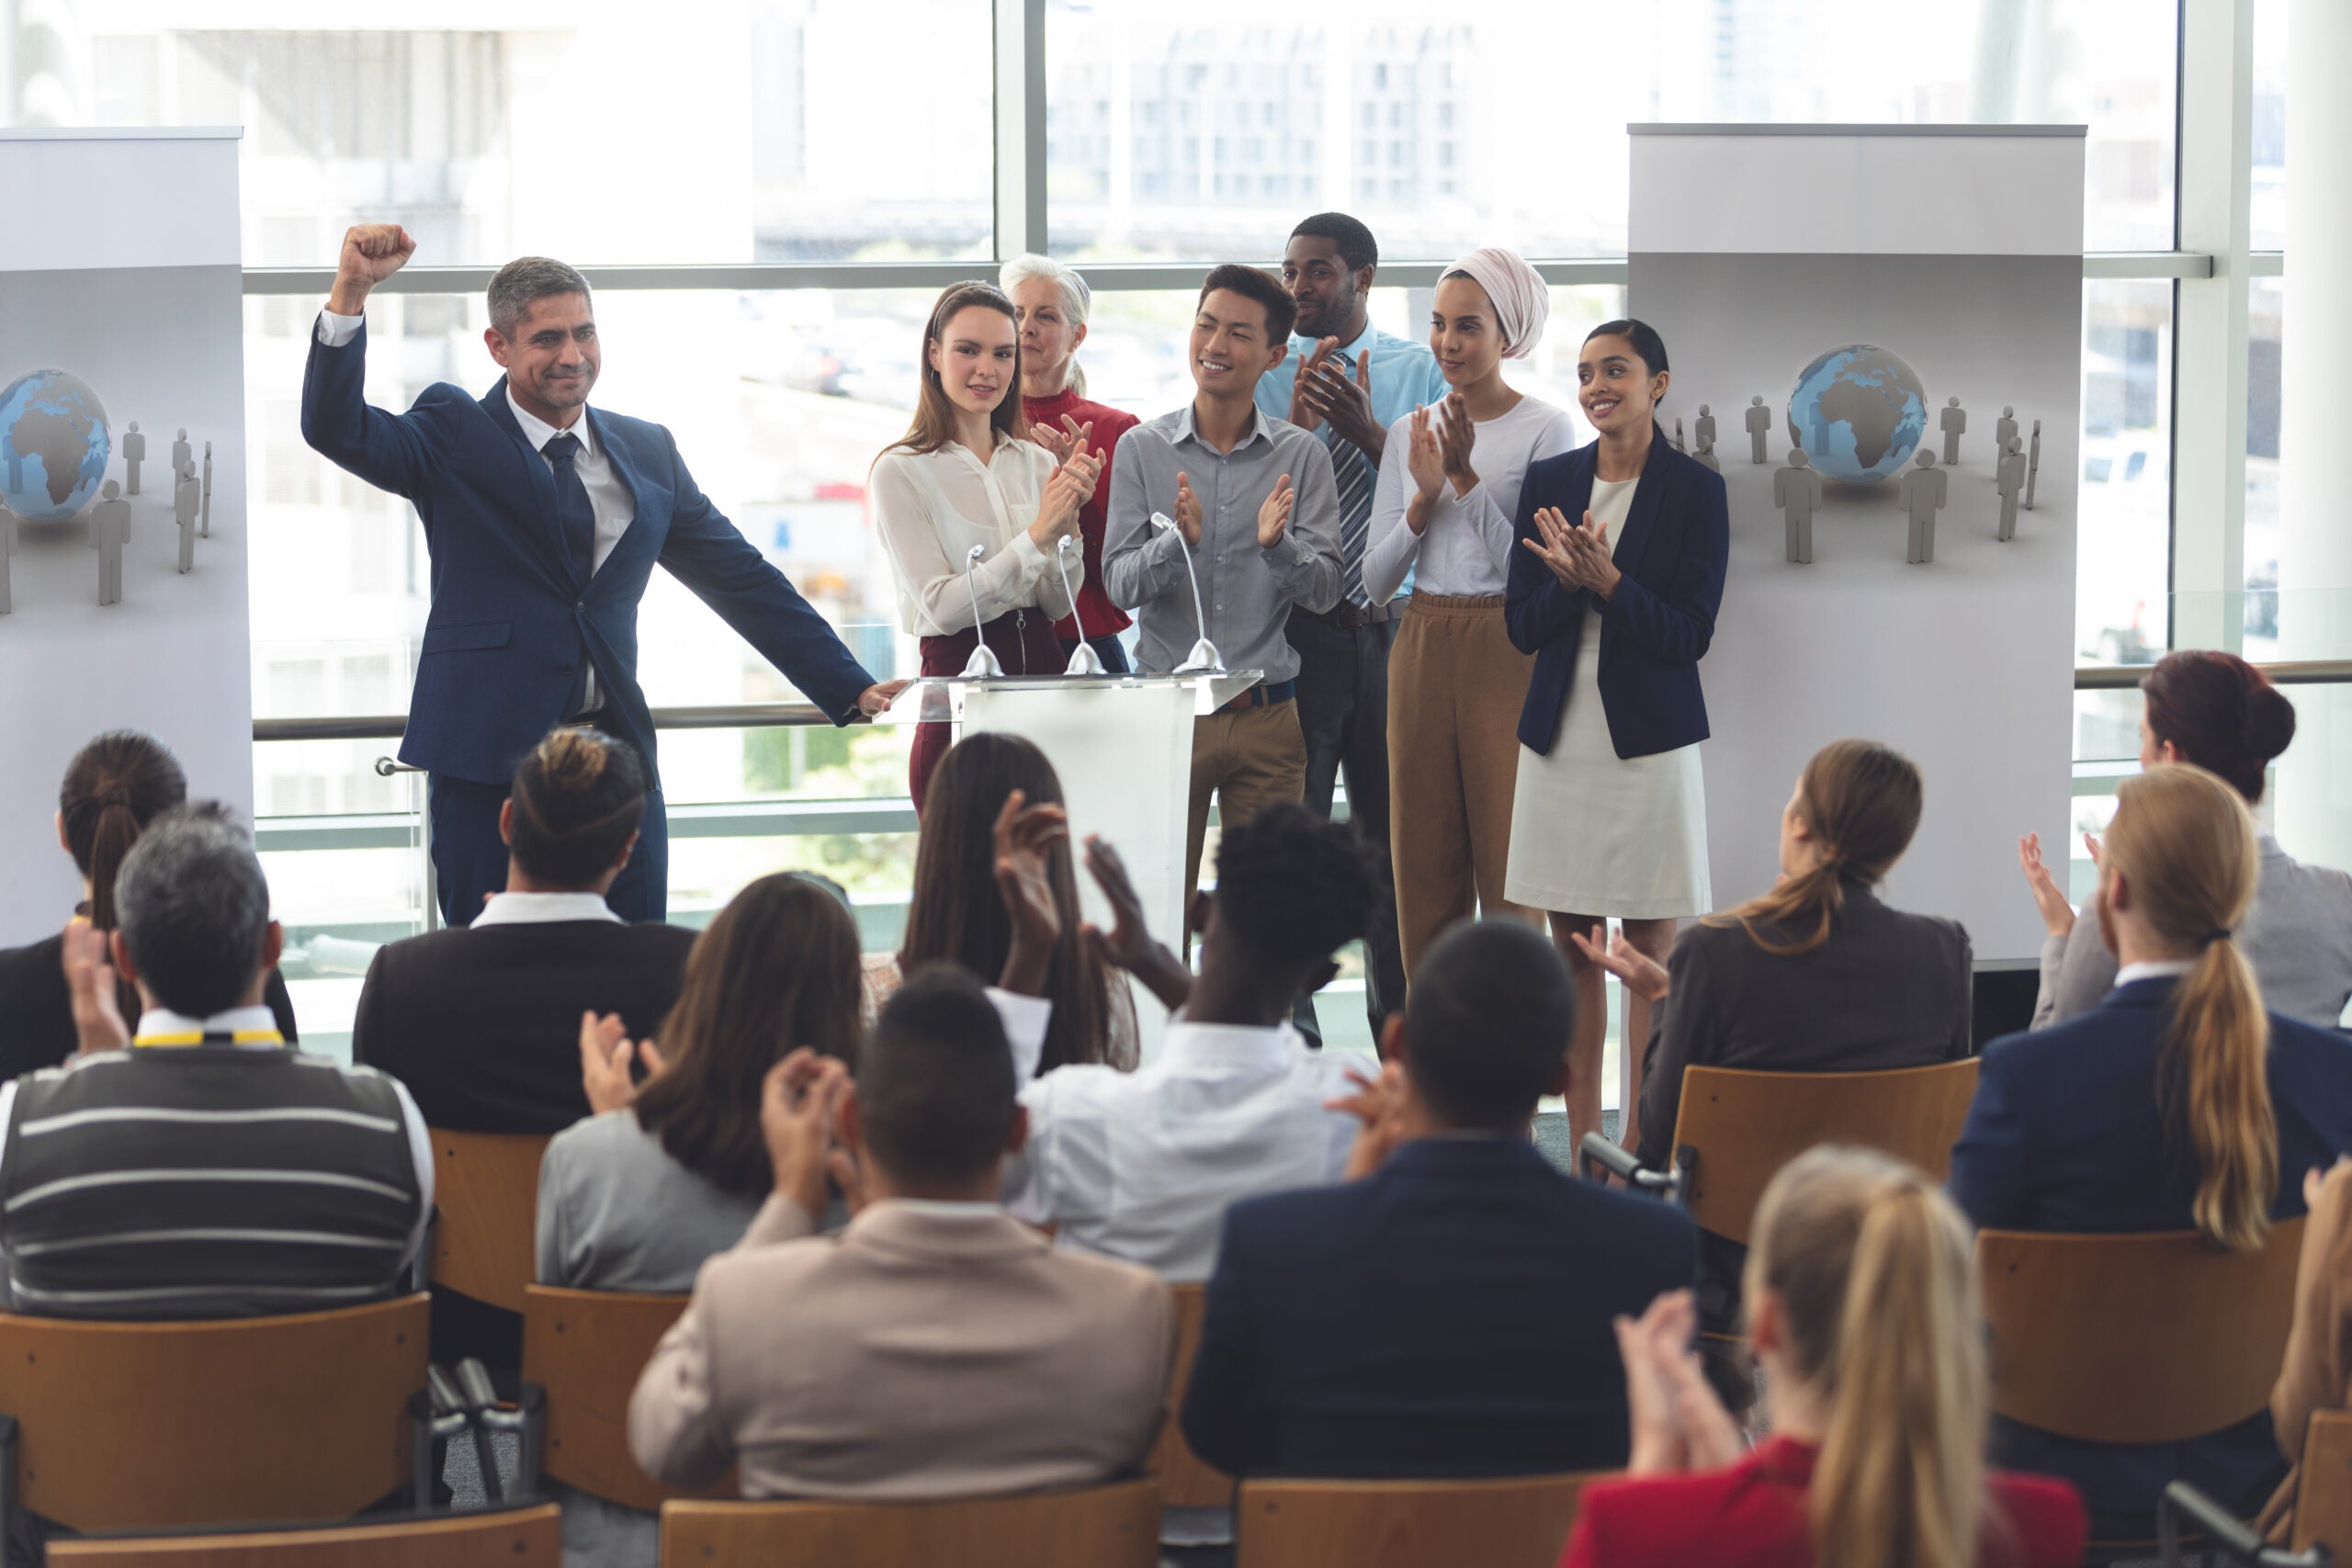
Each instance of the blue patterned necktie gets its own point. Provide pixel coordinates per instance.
(576, 517)
(1351, 470)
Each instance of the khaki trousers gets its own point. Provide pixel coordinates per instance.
(1250, 758)
(1455, 687)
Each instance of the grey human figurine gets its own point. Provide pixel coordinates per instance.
(181, 453)
(184, 501)
(2032, 464)
(1952, 422)
(204, 515)
(1679, 445)
(7, 548)
(1919, 493)
(2011, 481)
(1796, 491)
(1759, 422)
(109, 531)
(1706, 450)
(134, 451)
(2005, 429)
(1703, 429)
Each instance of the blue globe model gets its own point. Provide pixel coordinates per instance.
(1859, 413)
(53, 446)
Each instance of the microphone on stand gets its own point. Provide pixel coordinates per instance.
(1083, 660)
(1204, 659)
(984, 664)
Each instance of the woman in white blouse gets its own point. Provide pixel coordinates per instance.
(1441, 523)
(964, 480)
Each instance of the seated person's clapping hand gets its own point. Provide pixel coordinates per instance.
(1678, 1425)
(797, 1100)
(90, 986)
(1024, 837)
(1129, 944)
(1640, 973)
(2057, 914)
(1379, 1104)
(605, 1052)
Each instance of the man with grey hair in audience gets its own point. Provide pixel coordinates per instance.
(201, 1167)
(545, 519)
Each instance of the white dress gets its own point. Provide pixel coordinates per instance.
(1594, 833)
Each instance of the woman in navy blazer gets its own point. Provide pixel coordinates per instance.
(2177, 1101)
(1610, 817)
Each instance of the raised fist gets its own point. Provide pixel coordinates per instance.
(371, 253)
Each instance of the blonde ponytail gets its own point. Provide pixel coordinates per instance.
(1875, 1274)
(2183, 842)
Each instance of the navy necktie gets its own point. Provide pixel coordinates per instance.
(572, 514)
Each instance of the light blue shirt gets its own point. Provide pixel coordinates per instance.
(1404, 376)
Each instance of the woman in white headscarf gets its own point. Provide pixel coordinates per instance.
(1442, 523)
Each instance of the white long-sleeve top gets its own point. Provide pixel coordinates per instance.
(1465, 549)
(931, 508)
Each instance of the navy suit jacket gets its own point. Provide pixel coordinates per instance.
(1654, 630)
(2066, 1133)
(510, 619)
(1447, 1316)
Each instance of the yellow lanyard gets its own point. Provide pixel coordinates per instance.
(213, 1037)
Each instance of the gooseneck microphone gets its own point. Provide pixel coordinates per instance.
(1204, 658)
(1083, 660)
(984, 663)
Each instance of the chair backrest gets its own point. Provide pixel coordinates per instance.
(123, 1425)
(2323, 1494)
(506, 1538)
(1186, 1481)
(486, 1186)
(2149, 1338)
(1101, 1527)
(1519, 1522)
(586, 1349)
(1746, 1125)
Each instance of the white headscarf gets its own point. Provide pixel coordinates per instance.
(1522, 301)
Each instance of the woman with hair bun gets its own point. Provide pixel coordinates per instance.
(114, 787)
(2176, 1103)
(2219, 712)
(1863, 1307)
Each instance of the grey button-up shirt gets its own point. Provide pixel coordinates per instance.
(1246, 593)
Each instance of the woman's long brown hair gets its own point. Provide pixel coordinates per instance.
(1861, 802)
(114, 787)
(934, 422)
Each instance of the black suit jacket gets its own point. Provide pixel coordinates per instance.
(1447, 1316)
(36, 1011)
(1658, 625)
(1888, 990)
(482, 1024)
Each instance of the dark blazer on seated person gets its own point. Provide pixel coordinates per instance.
(1654, 630)
(1887, 989)
(482, 1022)
(2065, 1134)
(1448, 1316)
(37, 1012)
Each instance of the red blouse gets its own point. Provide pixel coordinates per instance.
(1752, 1515)
(1094, 606)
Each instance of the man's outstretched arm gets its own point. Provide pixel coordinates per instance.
(393, 452)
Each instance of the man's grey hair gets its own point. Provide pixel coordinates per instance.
(524, 281)
(194, 910)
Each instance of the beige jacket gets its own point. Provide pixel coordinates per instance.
(925, 1352)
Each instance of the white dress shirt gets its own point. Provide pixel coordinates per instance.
(931, 509)
(2155, 969)
(543, 908)
(1142, 1165)
(1465, 549)
(608, 498)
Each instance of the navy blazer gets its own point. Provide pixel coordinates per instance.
(1447, 1316)
(1654, 630)
(2065, 1134)
(510, 619)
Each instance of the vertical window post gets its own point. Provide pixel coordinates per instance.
(1020, 40)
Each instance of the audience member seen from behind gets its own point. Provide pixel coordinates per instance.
(1864, 1311)
(2316, 1374)
(990, 789)
(482, 1022)
(259, 1179)
(2177, 1102)
(116, 785)
(1142, 1165)
(938, 1347)
(2222, 714)
(1446, 1312)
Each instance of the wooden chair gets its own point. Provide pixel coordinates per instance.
(1186, 1481)
(517, 1538)
(1102, 1527)
(1735, 1129)
(2319, 1528)
(125, 1425)
(585, 1349)
(486, 1189)
(1521, 1522)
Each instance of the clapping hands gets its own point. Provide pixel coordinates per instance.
(1579, 556)
(605, 1055)
(1641, 974)
(1678, 1425)
(1067, 490)
(1066, 442)
(2049, 899)
(1378, 1103)
(797, 1100)
(1129, 944)
(1329, 387)
(90, 988)
(1023, 839)
(1274, 513)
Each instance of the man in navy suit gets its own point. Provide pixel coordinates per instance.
(544, 519)
(1447, 1311)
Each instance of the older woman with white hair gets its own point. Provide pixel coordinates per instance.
(1442, 514)
(1050, 304)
